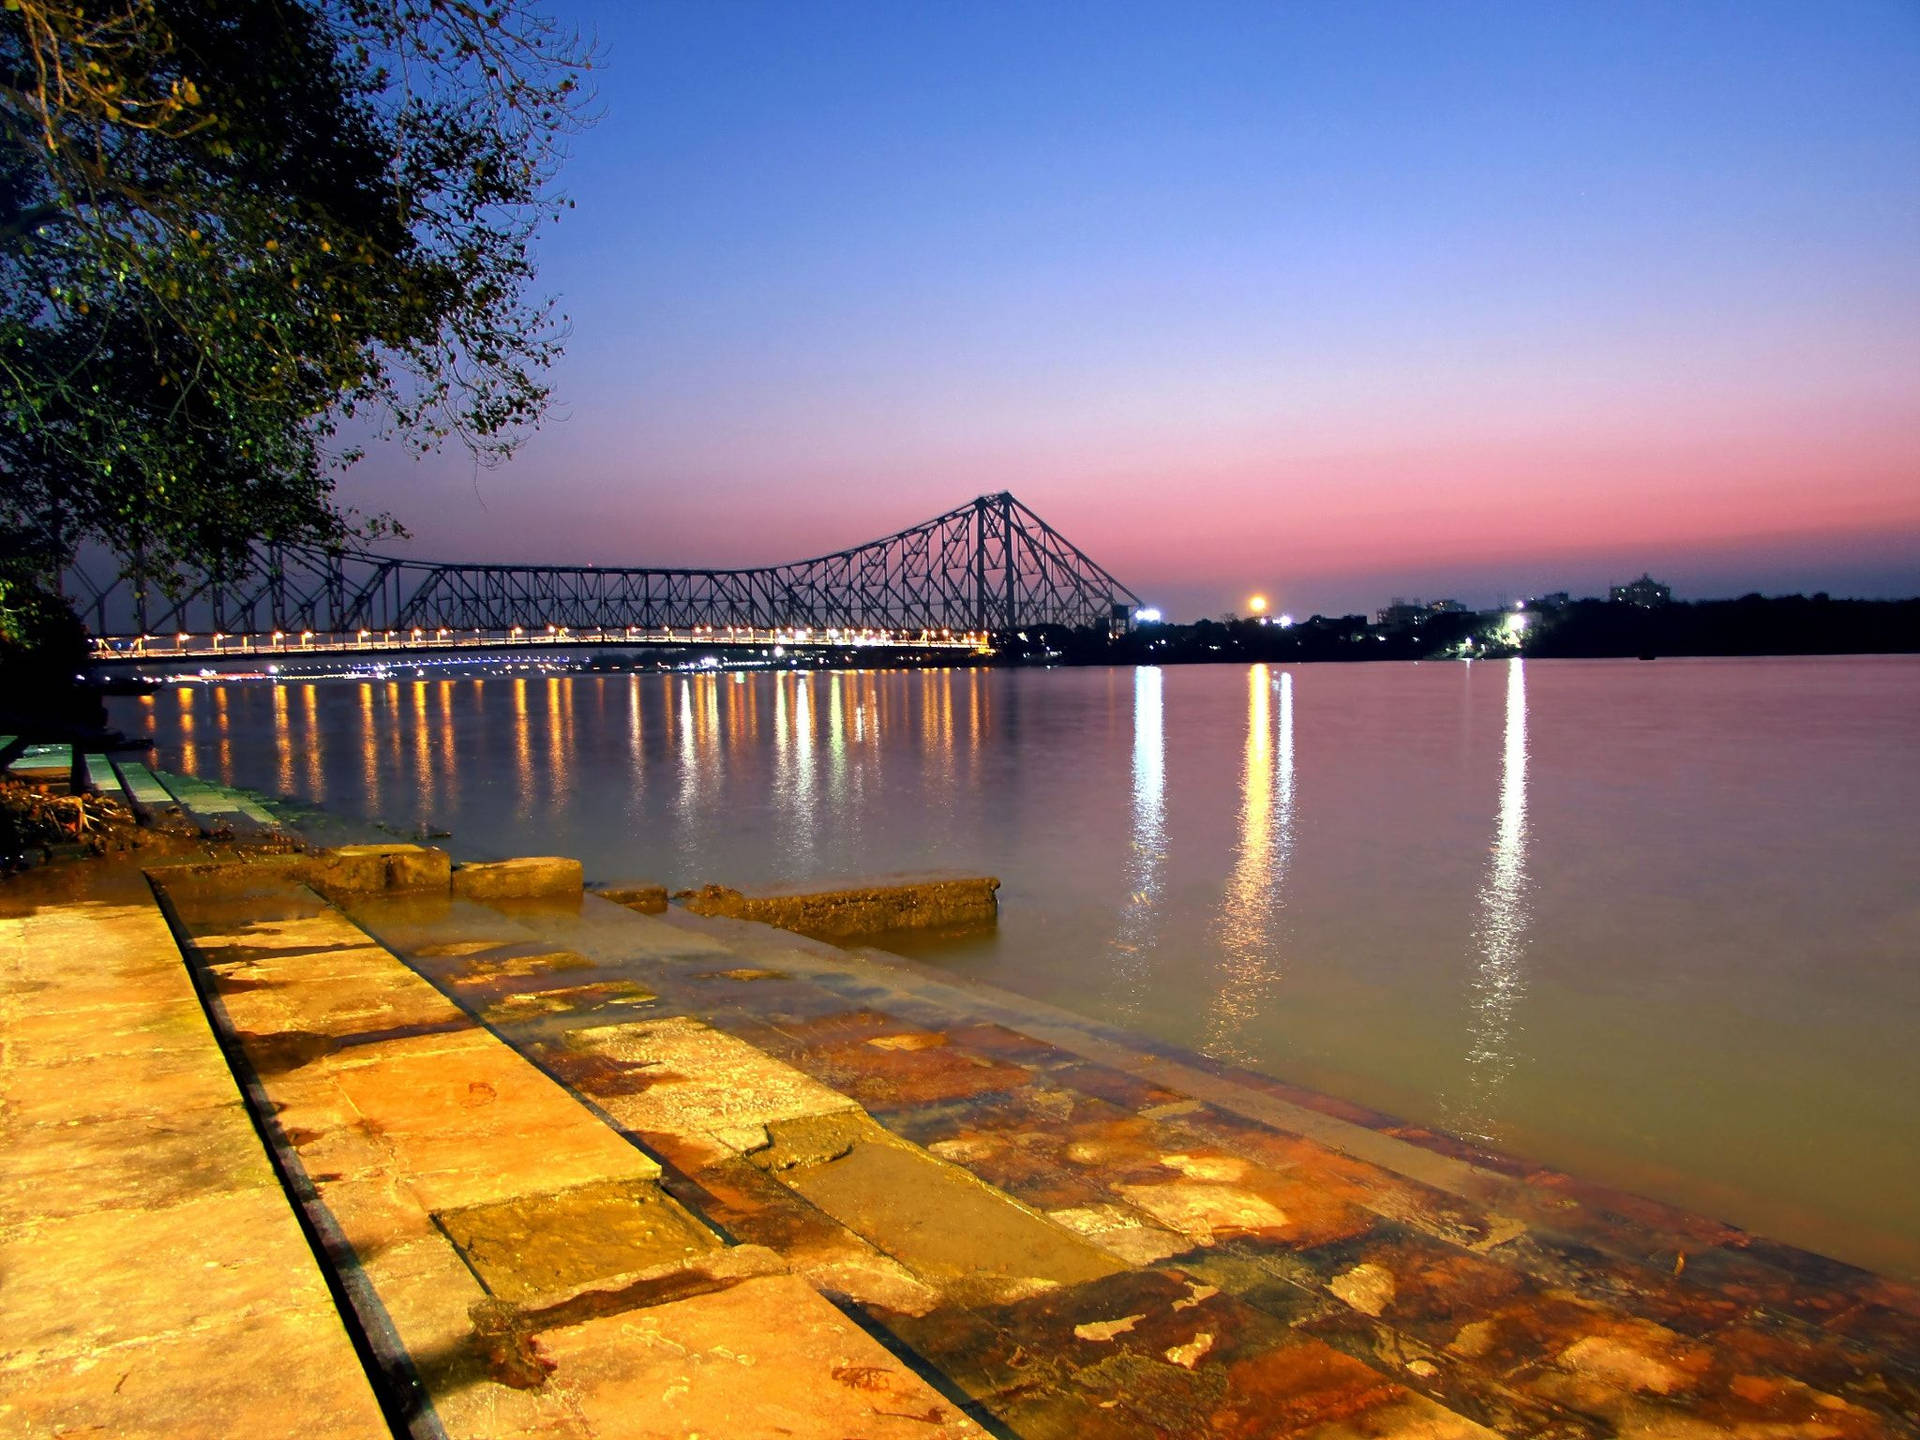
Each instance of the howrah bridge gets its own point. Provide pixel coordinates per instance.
(987, 569)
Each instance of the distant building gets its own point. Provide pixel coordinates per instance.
(1403, 614)
(1555, 600)
(1646, 592)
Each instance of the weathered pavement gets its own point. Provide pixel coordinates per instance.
(1085, 1237)
(152, 1272)
(586, 1172)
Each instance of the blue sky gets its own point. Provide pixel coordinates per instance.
(1324, 300)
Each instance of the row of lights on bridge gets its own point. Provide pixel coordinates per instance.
(563, 632)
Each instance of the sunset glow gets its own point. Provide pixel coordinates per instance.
(1335, 301)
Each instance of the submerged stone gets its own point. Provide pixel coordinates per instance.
(535, 1245)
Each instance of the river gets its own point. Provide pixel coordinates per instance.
(1657, 923)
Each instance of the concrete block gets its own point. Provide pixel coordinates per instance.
(647, 899)
(527, 878)
(368, 869)
(418, 867)
(349, 869)
(895, 903)
(220, 877)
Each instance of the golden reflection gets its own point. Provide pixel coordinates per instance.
(687, 803)
(559, 735)
(391, 703)
(736, 716)
(1134, 938)
(189, 755)
(422, 751)
(1255, 889)
(522, 747)
(1499, 980)
(444, 704)
(369, 751)
(836, 744)
(793, 758)
(865, 706)
(316, 771)
(636, 732)
(803, 734)
(282, 740)
(782, 745)
(225, 748)
(710, 745)
(976, 715)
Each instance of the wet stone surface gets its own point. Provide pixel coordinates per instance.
(542, 1245)
(1074, 1235)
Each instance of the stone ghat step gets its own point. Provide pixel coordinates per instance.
(152, 1270)
(1270, 1266)
(869, 907)
(214, 806)
(517, 1260)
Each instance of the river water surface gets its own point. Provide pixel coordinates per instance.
(1655, 923)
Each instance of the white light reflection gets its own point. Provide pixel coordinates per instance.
(1256, 889)
(1499, 980)
(686, 803)
(836, 749)
(1134, 938)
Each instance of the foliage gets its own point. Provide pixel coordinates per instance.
(226, 226)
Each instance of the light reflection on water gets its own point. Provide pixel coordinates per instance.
(1654, 923)
(1252, 951)
(1499, 977)
(1133, 938)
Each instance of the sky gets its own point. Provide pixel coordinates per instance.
(1327, 301)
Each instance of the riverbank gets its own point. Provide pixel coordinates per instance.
(575, 1169)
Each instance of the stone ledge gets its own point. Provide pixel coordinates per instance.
(646, 899)
(903, 903)
(528, 878)
(391, 867)
(349, 870)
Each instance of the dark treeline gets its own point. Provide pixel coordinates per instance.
(1588, 629)
(1751, 625)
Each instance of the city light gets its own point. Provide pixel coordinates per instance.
(1148, 616)
(1284, 622)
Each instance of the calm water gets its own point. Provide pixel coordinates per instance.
(1657, 923)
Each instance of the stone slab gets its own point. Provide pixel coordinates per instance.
(905, 903)
(151, 1267)
(642, 899)
(765, 1357)
(690, 1079)
(540, 1245)
(947, 1227)
(528, 878)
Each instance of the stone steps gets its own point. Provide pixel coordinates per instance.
(528, 1270)
(151, 1268)
(1253, 1241)
(589, 1172)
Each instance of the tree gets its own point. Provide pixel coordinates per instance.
(226, 226)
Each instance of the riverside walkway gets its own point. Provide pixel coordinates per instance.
(573, 1170)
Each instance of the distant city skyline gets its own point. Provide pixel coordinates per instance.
(1326, 302)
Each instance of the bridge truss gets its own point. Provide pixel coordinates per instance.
(991, 566)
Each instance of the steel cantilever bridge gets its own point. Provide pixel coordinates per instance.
(988, 568)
